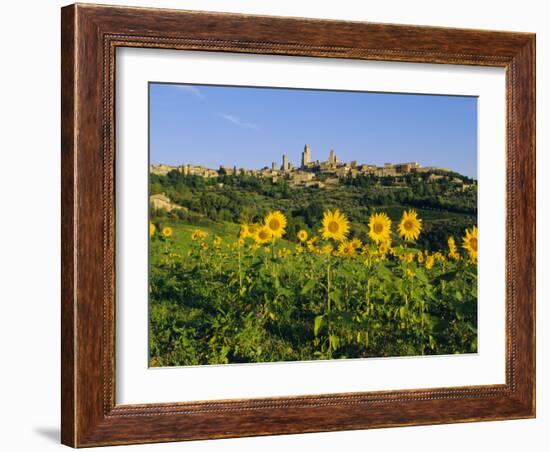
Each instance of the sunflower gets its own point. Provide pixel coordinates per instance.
(166, 231)
(346, 249)
(356, 243)
(276, 223)
(198, 234)
(152, 229)
(217, 241)
(384, 246)
(469, 242)
(430, 261)
(439, 256)
(335, 226)
(263, 235)
(285, 252)
(237, 244)
(327, 249)
(366, 251)
(410, 225)
(380, 227)
(453, 253)
(302, 235)
(312, 243)
(246, 231)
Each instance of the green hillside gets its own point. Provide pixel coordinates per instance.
(223, 202)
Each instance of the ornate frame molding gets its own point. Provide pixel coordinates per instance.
(90, 36)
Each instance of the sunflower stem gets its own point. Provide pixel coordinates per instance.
(328, 309)
(240, 271)
(272, 258)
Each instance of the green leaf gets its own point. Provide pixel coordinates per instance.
(308, 286)
(318, 324)
(421, 276)
(449, 276)
(383, 272)
(335, 296)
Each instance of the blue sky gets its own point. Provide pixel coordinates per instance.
(251, 127)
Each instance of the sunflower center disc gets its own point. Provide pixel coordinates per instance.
(333, 227)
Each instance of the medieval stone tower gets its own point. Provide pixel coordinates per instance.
(332, 157)
(286, 163)
(306, 156)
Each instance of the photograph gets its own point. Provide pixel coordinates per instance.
(294, 224)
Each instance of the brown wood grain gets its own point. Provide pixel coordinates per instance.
(68, 298)
(90, 36)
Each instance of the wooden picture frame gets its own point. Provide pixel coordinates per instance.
(90, 36)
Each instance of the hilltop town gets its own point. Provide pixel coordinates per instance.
(316, 173)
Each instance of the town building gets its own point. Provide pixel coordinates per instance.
(306, 156)
(404, 168)
(161, 169)
(332, 158)
(311, 172)
(301, 177)
(286, 164)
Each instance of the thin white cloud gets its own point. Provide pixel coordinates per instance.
(237, 121)
(193, 90)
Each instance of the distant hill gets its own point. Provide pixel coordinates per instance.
(444, 205)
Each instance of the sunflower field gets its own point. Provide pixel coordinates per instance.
(252, 295)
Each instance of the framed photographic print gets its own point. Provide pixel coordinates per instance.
(281, 225)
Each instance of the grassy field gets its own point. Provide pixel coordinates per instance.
(181, 242)
(223, 293)
(218, 297)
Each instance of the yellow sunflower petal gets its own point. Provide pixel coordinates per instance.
(276, 223)
(346, 249)
(302, 235)
(379, 227)
(263, 235)
(335, 225)
(469, 242)
(410, 225)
